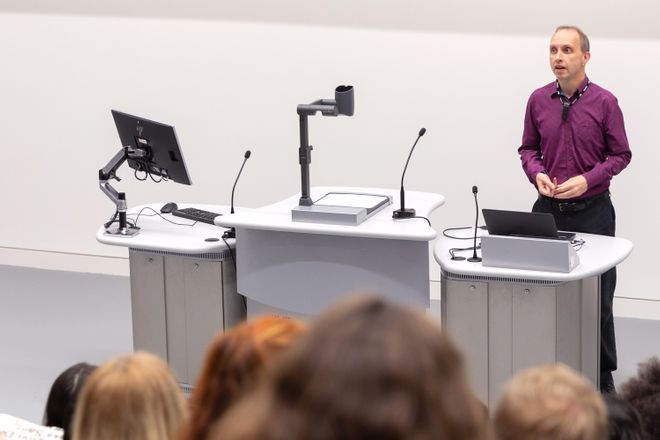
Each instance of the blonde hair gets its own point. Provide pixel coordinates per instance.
(130, 397)
(550, 402)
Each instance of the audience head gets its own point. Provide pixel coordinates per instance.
(130, 397)
(550, 402)
(624, 421)
(366, 369)
(234, 363)
(63, 395)
(643, 394)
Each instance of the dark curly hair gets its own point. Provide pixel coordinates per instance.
(643, 394)
(623, 420)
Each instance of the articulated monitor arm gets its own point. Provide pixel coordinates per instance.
(118, 198)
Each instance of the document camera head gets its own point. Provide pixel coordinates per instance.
(344, 100)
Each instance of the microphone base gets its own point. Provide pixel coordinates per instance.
(117, 231)
(403, 213)
(305, 201)
(474, 259)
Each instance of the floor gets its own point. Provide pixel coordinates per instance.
(50, 320)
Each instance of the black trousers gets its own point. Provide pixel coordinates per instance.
(598, 218)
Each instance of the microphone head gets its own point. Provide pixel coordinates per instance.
(475, 189)
(422, 131)
(247, 154)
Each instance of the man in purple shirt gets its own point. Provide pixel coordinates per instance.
(573, 143)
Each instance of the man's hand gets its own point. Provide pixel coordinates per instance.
(573, 187)
(545, 185)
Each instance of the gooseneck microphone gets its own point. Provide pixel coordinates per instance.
(474, 258)
(231, 233)
(410, 212)
(246, 157)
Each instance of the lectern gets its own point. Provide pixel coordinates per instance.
(505, 320)
(183, 286)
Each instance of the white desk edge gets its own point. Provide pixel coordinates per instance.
(598, 254)
(157, 234)
(277, 217)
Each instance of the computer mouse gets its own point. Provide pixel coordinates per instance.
(168, 208)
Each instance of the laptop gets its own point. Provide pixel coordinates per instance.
(524, 224)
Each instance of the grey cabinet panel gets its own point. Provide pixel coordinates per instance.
(179, 304)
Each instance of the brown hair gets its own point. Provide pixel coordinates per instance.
(550, 402)
(584, 40)
(132, 397)
(367, 369)
(234, 362)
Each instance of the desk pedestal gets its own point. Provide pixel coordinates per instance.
(301, 274)
(180, 302)
(504, 325)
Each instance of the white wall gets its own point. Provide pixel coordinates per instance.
(230, 85)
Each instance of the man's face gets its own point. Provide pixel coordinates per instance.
(567, 60)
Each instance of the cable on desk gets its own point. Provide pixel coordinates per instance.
(156, 213)
(415, 216)
(577, 244)
(461, 228)
(453, 251)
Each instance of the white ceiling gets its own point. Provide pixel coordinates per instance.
(636, 19)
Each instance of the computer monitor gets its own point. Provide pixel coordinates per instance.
(154, 147)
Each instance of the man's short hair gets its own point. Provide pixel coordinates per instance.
(550, 402)
(584, 40)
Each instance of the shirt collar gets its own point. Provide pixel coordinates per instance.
(581, 87)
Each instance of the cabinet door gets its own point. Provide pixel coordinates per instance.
(465, 318)
(148, 303)
(534, 326)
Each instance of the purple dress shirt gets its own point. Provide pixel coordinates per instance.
(592, 141)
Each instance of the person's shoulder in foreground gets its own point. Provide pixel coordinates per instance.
(13, 427)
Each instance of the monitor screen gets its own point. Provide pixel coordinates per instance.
(523, 224)
(154, 149)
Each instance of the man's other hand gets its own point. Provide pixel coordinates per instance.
(573, 187)
(545, 185)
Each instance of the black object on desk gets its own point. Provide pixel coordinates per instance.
(198, 215)
(168, 208)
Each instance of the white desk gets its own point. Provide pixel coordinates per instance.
(505, 320)
(183, 286)
(301, 268)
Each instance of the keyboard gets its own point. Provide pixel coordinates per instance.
(198, 215)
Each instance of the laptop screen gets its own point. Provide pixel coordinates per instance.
(524, 224)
